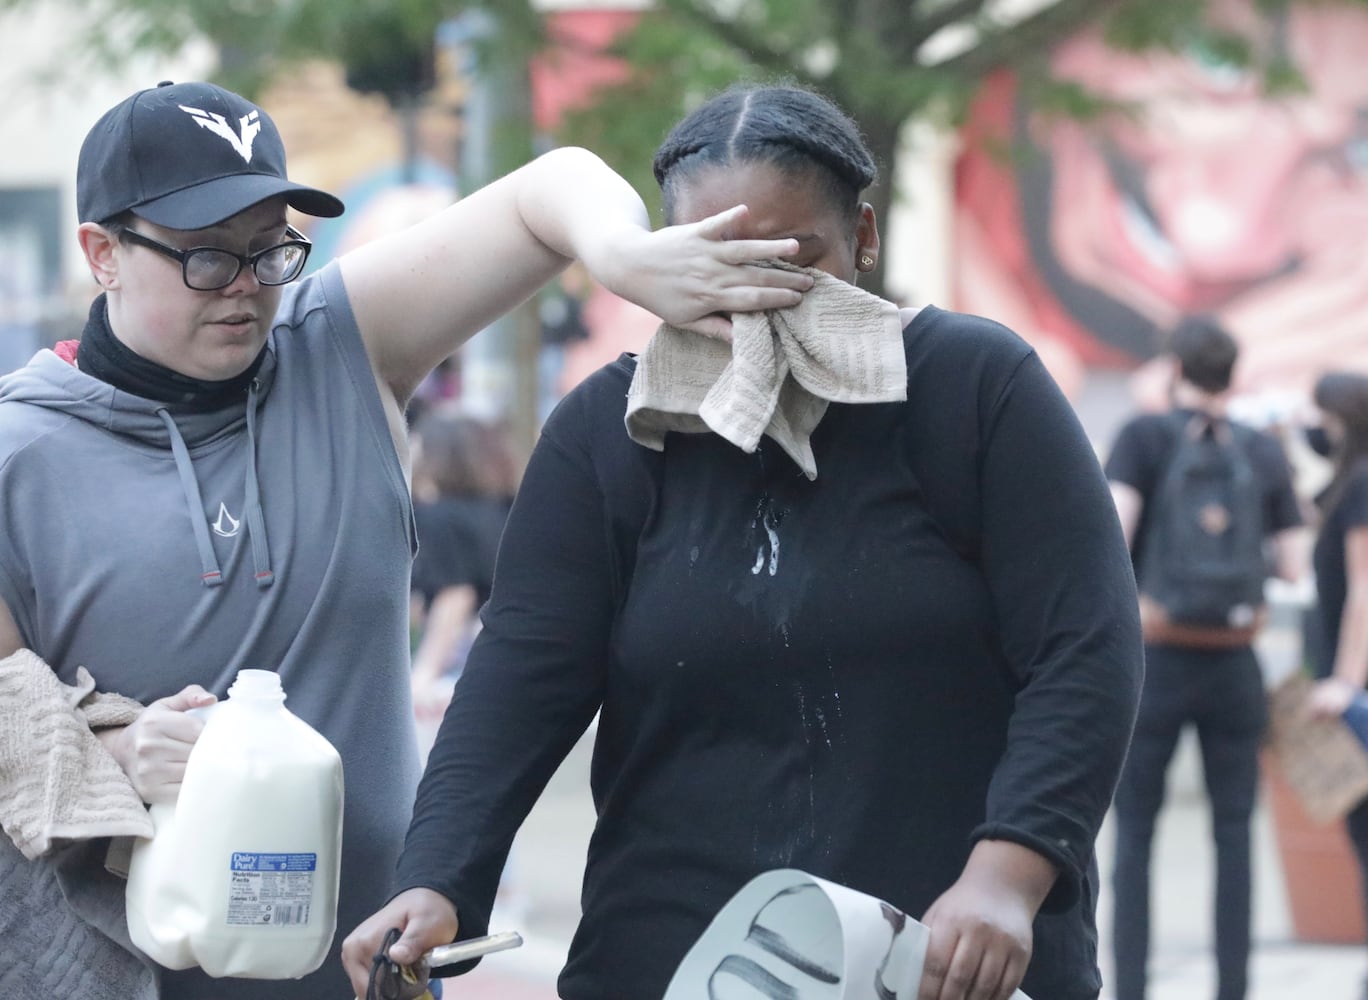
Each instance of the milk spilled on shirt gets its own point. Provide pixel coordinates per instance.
(240, 876)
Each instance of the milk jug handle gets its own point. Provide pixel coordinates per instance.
(203, 711)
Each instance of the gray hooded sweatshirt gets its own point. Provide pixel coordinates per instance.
(159, 548)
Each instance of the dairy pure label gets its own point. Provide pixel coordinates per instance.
(270, 889)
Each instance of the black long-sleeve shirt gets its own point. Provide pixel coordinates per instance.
(934, 642)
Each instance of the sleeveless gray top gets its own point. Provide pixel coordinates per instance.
(299, 564)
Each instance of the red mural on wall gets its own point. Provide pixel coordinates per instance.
(1093, 238)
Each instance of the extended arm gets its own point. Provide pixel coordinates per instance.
(1057, 567)
(1128, 503)
(449, 620)
(1351, 654)
(1291, 541)
(420, 293)
(1064, 591)
(1291, 553)
(532, 682)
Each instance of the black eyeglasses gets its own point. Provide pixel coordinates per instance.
(206, 269)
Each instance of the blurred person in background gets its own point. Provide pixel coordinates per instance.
(439, 387)
(561, 313)
(465, 474)
(1339, 643)
(913, 674)
(1179, 479)
(215, 477)
(464, 478)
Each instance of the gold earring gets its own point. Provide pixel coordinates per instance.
(866, 261)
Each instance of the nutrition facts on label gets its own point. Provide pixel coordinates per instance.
(270, 889)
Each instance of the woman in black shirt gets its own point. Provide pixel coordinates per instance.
(914, 674)
(1340, 560)
(464, 478)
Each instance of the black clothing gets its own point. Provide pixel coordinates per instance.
(1349, 511)
(860, 676)
(105, 357)
(1356, 825)
(1142, 450)
(562, 319)
(458, 540)
(1221, 693)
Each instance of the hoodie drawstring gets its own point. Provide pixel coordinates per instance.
(211, 575)
(256, 518)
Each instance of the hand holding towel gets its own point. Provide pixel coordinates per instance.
(57, 781)
(776, 377)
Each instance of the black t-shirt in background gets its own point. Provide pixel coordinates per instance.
(458, 540)
(1143, 448)
(1332, 583)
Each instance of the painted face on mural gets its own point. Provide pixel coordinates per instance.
(1216, 197)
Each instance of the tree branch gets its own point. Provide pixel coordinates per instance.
(756, 48)
(1034, 33)
(921, 27)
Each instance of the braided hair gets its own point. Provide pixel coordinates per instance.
(794, 129)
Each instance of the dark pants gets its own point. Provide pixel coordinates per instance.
(1356, 823)
(1222, 694)
(1319, 657)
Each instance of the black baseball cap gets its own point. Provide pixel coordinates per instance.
(187, 156)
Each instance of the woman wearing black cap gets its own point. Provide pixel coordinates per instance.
(214, 478)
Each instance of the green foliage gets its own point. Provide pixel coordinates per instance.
(1186, 27)
(1282, 78)
(1052, 97)
(1167, 25)
(388, 52)
(626, 123)
(864, 53)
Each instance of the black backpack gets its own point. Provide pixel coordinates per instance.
(1203, 559)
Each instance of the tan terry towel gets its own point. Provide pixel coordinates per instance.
(57, 781)
(839, 344)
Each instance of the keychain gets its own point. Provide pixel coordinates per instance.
(391, 981)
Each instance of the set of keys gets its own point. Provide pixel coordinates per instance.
(391, 981)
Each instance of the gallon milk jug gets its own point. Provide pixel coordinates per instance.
(240, 875)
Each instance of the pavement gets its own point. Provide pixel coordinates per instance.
(548, 860)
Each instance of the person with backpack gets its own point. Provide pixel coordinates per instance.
(1208, 509)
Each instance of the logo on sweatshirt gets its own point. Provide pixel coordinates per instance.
(250, 125)
(227, 525)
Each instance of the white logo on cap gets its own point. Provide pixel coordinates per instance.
(250, 124)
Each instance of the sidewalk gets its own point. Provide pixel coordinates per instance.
(1181, 965)
(549, 858)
